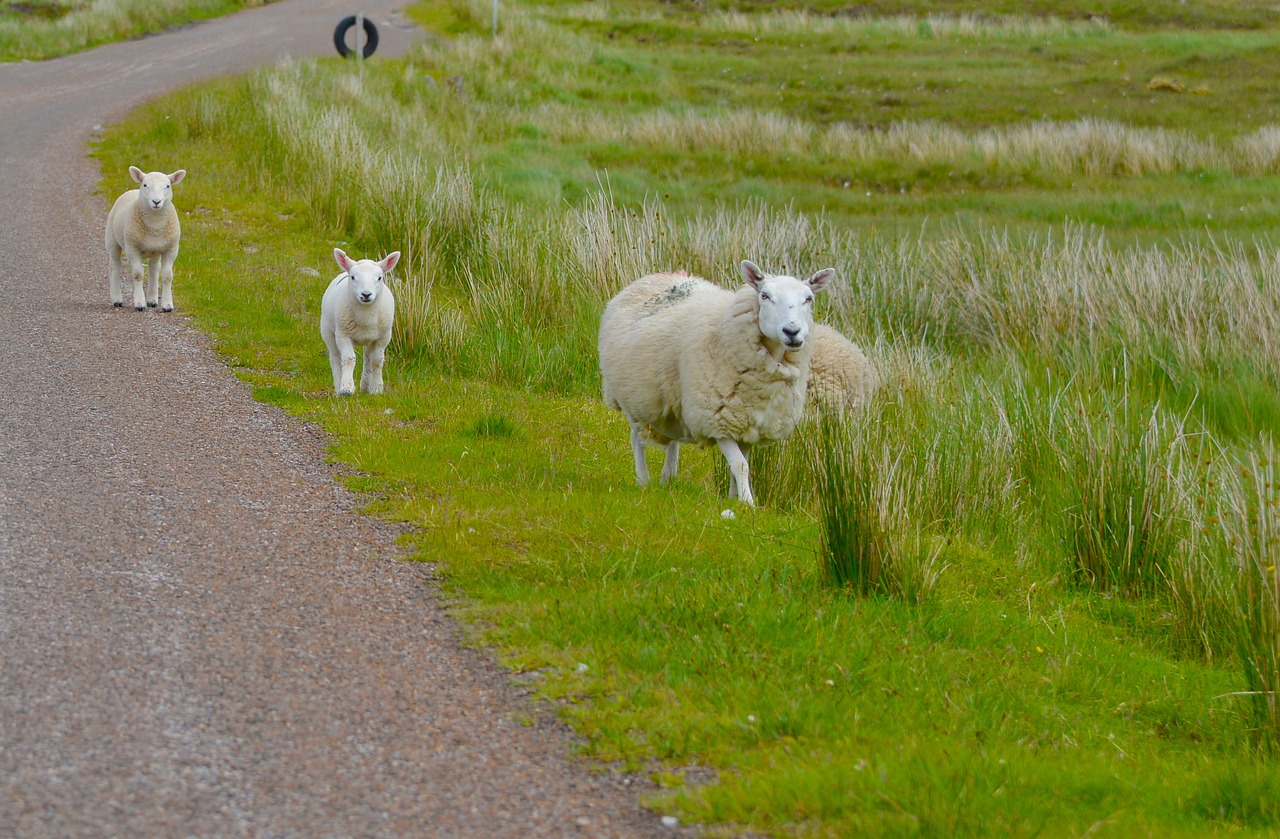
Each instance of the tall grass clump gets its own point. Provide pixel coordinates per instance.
(1251, 524)
(1202, 573)
(1123, 515)
(956, 442)
(873, 538)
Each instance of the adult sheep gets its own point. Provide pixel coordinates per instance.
(689, 362)
(358, 309)
(841, 378)
(143, 224)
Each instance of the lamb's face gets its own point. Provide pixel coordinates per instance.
(366, 279)
(155, 189)
(786, 304)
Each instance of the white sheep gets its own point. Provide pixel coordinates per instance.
(841, 378)
(689, 362)
(143, 224)
(358, 309)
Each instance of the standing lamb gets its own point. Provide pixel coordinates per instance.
(689, 362)
(358, 309)
(841, 378)
(143, 224)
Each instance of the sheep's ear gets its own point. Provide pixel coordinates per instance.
(752, 274)
(344, 261)
(136, 173)
(822, 279)
(177, 176)
(390, 262)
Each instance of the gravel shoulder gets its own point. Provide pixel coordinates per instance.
(199, 636)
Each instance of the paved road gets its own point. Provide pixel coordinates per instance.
(198, 636)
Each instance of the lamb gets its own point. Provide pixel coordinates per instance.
(358, 309)
(689, 362)
(841, 378)
(143, 224)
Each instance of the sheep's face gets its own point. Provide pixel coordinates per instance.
(365, 278)
(155, 189)
(786, 303)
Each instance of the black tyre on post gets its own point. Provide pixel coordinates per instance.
(340, 37)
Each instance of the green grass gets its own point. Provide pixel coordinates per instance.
(846, 81)
(40, 29)
(1076, 368)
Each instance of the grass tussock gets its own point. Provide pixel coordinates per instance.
(1123, 522)
(872, 540)
(1251, 527)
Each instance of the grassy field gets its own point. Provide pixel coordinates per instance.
(1031, 590)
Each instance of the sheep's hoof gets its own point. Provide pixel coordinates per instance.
(166, 308)
(150, 305)
(119, 304)
(139, 308)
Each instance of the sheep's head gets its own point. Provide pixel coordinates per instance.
(365, 278)
(786, 303)
(155, 189)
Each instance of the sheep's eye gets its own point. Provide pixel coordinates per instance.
(809, 299)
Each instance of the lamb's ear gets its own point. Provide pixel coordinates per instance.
(752, 274)
(177, 176)
(822, 279)
(344, 261)
(390, 262)
(136, 173)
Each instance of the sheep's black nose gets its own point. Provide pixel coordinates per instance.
(791, 331)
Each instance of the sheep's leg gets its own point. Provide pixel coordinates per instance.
(153, 279)
(138, 273)
(671, 463)
(114, 255)
(335, 364)
(637, 449)
(371, 375)
(166, 281)
(739, 482)
(343, 358)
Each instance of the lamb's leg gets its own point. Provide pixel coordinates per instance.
(166, 280)
(335, 364)
(637, 449)
(113, 274)
(671, 463)
(137, 272)
(344, 358)
(739, 482)
(371, 375)
(153, 279)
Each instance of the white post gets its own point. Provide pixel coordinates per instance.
(495, 18)
(359, 45)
